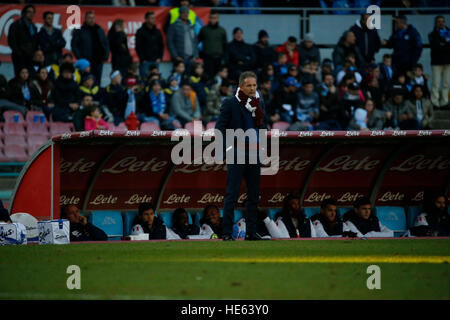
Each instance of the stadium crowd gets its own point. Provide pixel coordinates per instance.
(299, 89)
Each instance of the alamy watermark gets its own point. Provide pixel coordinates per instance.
(374, 281)
(374, 19)
(74, 280)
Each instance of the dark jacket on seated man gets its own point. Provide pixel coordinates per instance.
(87, 232)
(157, 231)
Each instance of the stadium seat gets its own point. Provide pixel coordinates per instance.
(281, 125)
(120, 128)
(412, 213)
(109, 221)
(393, 218)
(36, 117)
(189, 126)
(16, 153)
(343, 210)
(35, 142)
(3, 157)
(210, 125)
(128, 222)
(9, 116)
(14, 128)
(34, 128)
(14, 139)
(238, 215)
(272, 213)
(150, 126)
(57, 128)
(309, 212)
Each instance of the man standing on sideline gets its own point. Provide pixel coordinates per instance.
(243, 111)
(149, 45)
(90, 43)
(440, 62)
(23, 39)
(51, 40)
(214, 39)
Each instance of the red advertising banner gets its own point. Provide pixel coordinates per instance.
(105, 16)
(105, 170)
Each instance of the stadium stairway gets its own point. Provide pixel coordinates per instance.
(441, 119)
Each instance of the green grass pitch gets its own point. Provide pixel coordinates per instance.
(321, 269)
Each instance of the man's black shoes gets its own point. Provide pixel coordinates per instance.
(254, 236)
(227, 237)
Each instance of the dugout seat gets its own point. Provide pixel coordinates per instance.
(393, 218)
(412, 214)
(272, 213)
(309, 212)
(128, 219)
(108, 221)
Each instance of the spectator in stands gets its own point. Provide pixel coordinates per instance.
(398, 115)
(211, 222)
(80, 228)
(407, 45)
(416, 77)
(149, 44)
(44, 85)
(375, 118)
(435, 220)
(326, 67)
(68, 58)
(440, 62)
(176, 13)
(352, 99)
(266, 96)
(51, 40)
(179, 69)
(153, 107)
(118, 44)
(310, 72)
(399, 85)
(265, 53)
(134, 96)
(291, 222)
(172, 88)
(268, 72)
(87, 102)
(308, 50)
(367, 40)
(90, 42)
(5, 104)
(387, 71)
(241, 56)
(363, 222)
(280, 68)
(88, 87)
(420, 107)
(198, 84)
(184, 105)
(285, 101)
(23, 39)
(330, 110)
(38, 62)
(94, 120)
(359, 119)
(181, 226)
(327, 223)
(221, 74)
(115, 97)
(349, 67)
(181, 39)
(147, 222)
(373, 91)
(23, 92)
(345, 47)
(291, 50)
(215, 100)
(292, 72)
(65, 95)
(133, 73)
(214, 40)
(307, 111)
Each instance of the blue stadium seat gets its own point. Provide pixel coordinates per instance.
(393, 218)
(309, 212)
(108, 221)
(343, 210)
(238, 215)
(272, 213)
(128, 222)
(166, 217)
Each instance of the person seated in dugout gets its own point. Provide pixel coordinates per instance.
(290, 222)
(4, 214)
(80, 228)
(435, 220)
(181, 226)
(147, 222)
(211, 222)
(327, 223)
(363, 222)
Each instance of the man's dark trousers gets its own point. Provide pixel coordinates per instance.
(252, 175)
